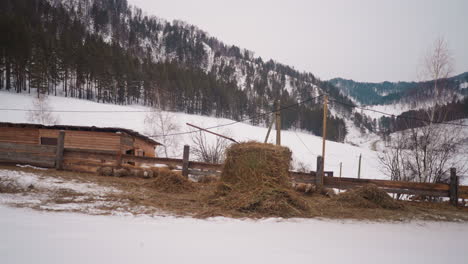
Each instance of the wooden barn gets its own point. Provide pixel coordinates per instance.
(117, 140)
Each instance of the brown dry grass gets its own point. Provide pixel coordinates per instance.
(138, 197)
(368, 196)
(170, 182)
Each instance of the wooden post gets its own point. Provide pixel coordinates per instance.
(341, 167)
(185, 161)
(278, 123)
(119, 153)
(216, 134)
(59, 153)
(269, 130)
(453, 188)
(324, 134)
(359, 167)
(319, 172)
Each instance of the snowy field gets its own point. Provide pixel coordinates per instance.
(38, 237)
(335, 152)
(32, 236)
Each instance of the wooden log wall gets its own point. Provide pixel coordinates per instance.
(463, 192)
(88, 160)
(38, 155)
(19, 135)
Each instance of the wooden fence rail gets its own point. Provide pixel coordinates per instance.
(90, 160)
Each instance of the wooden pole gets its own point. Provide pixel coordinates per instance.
(453, 188)
(269, 130)
(185, 161)
(359, 167)
(319, 172)
(278, 123)
(341, 167)
(324, 134)
(59, 153)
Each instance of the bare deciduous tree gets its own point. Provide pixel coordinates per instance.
(212, 152)
(425, 154)
(437, 67)
(162, 125)
(41, 111)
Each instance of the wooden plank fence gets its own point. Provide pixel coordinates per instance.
(90, 160)
(38, 155)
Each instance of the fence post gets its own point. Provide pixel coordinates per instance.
(59, 153)
(119, 153)
(185, 161)
(319, 173)
(359, 167)
(453, 188)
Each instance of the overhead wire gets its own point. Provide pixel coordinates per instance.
(243, 120)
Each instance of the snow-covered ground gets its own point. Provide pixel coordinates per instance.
(44, 192)
(31, 236)
(305, 147)
(39, 237)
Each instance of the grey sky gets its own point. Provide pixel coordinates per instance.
(365, 40)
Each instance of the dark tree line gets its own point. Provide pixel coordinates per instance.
(455, 110)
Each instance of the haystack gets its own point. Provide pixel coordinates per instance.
(255, 179)
(368, 196)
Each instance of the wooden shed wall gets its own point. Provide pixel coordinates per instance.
(86, 139)
(19, 135)
(77, 139)
(148, 148)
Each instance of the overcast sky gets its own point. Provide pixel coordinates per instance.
(366, 40)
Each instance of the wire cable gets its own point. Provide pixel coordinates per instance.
(242, 120)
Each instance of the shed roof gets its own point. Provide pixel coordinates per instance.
(83, 128)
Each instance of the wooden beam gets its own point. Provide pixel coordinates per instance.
(324, 135)
(319, 175)
(60, 146)
(26, 148)
(453, 191)
(185, 161)
(216, 134)
(269, 130)
(278, 123)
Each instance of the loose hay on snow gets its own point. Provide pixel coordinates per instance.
(368, 196)
(255, 179)
(208, 179)
(171, 182)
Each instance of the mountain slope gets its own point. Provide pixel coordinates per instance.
(108, 51)
(395, 92)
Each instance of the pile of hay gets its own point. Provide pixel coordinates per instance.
(368, 196)
(255, 180)
(170, 181)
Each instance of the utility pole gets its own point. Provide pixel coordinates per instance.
(269, 130)
(359, 168)
(324, 134)
(278, 123)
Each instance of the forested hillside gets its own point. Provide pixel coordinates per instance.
(107, 51)
(397, 92)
